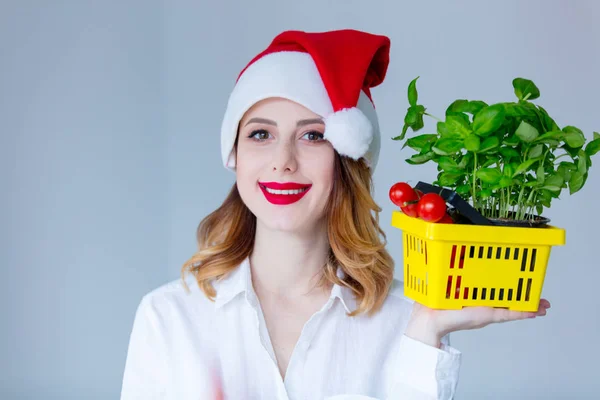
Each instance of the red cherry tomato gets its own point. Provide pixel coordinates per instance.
(431, 207)
(401, 193)
(410, 209)
(446, 219)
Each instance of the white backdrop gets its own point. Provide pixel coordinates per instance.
(109, 147)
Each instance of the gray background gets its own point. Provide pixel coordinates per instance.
(109, 157)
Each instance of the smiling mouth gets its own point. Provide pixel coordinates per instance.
(284, 192)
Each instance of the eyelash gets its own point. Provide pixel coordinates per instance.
(256, 132)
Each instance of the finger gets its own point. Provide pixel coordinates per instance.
(541, 313)
(506, 315)
(545, 303)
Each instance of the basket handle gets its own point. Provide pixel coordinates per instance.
(458, 202)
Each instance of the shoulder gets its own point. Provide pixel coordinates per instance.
(396, 295)
(396, 307)
(175, 299)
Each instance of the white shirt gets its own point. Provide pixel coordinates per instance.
(178, 336)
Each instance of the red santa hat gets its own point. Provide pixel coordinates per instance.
(330, 73)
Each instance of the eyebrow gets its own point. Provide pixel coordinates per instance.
(302, 122)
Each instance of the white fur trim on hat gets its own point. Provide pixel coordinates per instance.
(349, 131)
(294, 76)
(290, 75)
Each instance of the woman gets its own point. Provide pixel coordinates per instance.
(291, 294)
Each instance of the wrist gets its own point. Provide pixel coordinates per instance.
(422, 328)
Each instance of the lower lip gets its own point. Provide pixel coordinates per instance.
(282, 199)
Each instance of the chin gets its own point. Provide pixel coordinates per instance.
(288, 222)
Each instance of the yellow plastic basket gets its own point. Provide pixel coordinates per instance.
(451, 266)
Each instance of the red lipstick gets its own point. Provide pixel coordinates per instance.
(281, 198)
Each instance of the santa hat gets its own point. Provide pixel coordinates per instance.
(330, 73)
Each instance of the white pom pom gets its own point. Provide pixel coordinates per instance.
(349, 131)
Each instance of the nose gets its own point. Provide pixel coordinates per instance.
(284, 159)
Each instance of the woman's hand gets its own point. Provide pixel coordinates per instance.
(429, 326)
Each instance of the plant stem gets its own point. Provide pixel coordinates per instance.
(562, 155)
(474, 173)
(519, 203)
(529, 203)
(432, 116)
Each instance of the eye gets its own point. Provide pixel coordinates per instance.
(259, 135)
(314, 136)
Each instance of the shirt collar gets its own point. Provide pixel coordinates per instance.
(343, 293)
(240, 281)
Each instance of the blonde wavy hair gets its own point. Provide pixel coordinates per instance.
(357, 243)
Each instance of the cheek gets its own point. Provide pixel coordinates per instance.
(247, 160)
(322, 169)
(325, 165)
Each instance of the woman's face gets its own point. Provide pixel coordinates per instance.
(284, 167)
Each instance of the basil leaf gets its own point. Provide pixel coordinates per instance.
(574, 136)
(551, 137)
(463, 189)
(475, 106)
(535, 151)
(552, 188)
(504, 182)
(509, 152)
(540, 174)
(526, 132)
(489, 175)
(412, 92)
(446, 147)
(466, 161)
(524, 166)
(525, 89)
(489, 143)
(472, 143)
(414, 117)
(518, 110)
(457, 106)
(465, 106)
(485, 193)
(555, 180)
(548, 122)
(458, 125)
(593, 147)
(509, 169)
(571, 150)
(417, 159)
(441, 129)
(450, 178)
(490, 160)
(539, 209)
(488, 119)
(565, 170)
(512, 140)
(576, 182)
(418, 142)
(448, 164)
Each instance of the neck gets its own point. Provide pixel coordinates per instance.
(289, 264)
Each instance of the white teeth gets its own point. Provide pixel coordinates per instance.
(295, 191)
